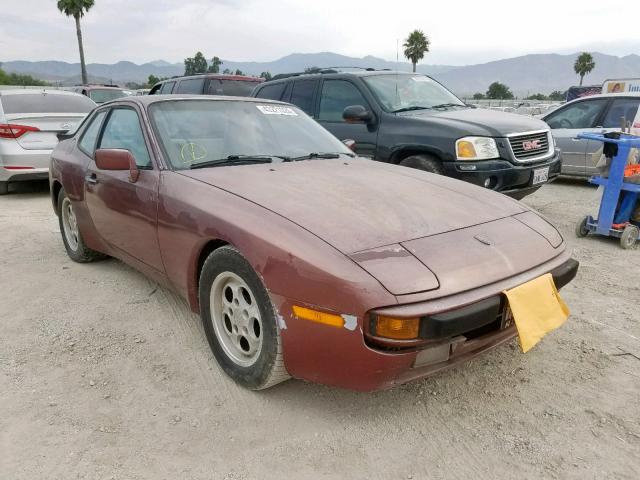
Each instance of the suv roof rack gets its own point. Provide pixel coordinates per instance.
(325, 70)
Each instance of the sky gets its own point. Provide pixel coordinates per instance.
(461, 32)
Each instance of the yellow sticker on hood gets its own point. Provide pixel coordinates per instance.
(537, 310)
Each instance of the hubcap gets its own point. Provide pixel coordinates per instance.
(69, 224)
(236, 319)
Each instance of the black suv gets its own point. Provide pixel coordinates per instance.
(412, 120)
(208, 84)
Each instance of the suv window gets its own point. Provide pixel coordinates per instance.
(167, 87)
(272, 92)
(194, 85)
(621, 107)
(336, 96)
(302, 95)
(87, 142)
(236, 88)
(123, 130)
(582, 114)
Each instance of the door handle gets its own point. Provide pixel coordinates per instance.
(91, 178)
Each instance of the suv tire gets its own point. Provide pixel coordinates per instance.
(425, 162)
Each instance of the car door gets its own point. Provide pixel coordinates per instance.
(620, 108)
(567, 122)
(335, 96)
(125, 213)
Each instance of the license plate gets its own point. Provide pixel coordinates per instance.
(540, 175)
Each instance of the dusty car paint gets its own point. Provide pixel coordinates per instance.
(319, 234)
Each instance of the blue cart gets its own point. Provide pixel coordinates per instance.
(619, 197)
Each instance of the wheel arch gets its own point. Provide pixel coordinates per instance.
(56, 186)
(194, 279)
(405, 151)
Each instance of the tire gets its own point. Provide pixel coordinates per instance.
(4, 188)
(425, 162)
(581, 228)
(71, 236)
(629, 237)
(240, 321)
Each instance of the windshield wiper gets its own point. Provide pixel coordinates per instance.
(319, 155)
(238, 159)
(445, 105)
(408, 109)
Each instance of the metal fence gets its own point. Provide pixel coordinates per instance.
(524, 107)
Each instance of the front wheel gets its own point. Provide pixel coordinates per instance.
(629, 236)
(240, 321)
(70, 231)
(581, 228)
(425, 162)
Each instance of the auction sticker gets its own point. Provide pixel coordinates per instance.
(276, 110)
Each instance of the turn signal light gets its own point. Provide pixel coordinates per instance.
(318, 316)
(398, 328)
(466, 149)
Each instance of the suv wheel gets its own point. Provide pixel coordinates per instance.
(425, 162)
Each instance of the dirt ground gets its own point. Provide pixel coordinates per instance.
(104, 375)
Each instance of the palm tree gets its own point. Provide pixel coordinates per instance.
(415, 46)
(77, 9)
(584, 64)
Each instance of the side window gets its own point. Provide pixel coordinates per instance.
(302, 95)
(123, 131)
(578, 115)
(156, 89)
(167, 87)
(336, 96)
(195, 85)
(87, 142)
(621, 107)
(272, 92)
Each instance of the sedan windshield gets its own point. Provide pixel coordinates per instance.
(210, 133)
(404, 92)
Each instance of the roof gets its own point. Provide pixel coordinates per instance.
(145, 100)
(48, 91)
(330, 72)
(224, 76)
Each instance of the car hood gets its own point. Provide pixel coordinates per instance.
(478, 121)
(357, 204)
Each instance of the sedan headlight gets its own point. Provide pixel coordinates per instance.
(476, 148)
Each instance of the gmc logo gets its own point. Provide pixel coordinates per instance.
(531, 145)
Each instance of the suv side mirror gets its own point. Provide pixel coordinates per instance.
(357, 114)
(117, 159)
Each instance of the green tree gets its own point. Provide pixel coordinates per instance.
(478, 96)
(238, 72)
(77, 9)
(557, 96)
(584, 65)
(152, 80)
(22, 80)
(415, 46)
(537, 96)
(196, 64)
(499, 91)
(226, 71)
(215, 65)
(266, 75)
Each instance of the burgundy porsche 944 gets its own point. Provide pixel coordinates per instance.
(302, 260)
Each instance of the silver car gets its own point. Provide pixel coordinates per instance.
(597, 113)
(30, 120)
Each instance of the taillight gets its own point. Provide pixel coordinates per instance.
(9, 130)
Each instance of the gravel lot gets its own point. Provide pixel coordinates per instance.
(105, 375)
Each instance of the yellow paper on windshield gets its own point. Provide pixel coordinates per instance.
(537, 309)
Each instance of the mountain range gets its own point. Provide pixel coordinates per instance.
(524, 74)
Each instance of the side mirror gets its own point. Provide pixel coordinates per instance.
(117, 159)
(357, 114)
(350, 144)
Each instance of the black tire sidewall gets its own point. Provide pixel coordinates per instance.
(426, 163)
(227, 259)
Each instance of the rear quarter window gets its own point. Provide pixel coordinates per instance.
(272, 92)
(167, 87)
(46, 103)
(235, 88)
(195, 85)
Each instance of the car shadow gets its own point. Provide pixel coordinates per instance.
(33, 188)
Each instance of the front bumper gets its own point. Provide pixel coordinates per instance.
(351, 360)
(515, 180)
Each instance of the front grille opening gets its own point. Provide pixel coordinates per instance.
(485, 329)
(530, 145)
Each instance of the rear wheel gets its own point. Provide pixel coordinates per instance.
(425, 162)
(71, 236)
(4, 188)
(240, 321)
(581, 228)
(629, 236)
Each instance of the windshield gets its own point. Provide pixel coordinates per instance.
(104, 95)
(194, 132)
(402, 92)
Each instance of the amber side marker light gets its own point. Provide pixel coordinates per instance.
(318, 316)
(397, 328)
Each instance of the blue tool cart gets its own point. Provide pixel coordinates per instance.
(619, 198)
